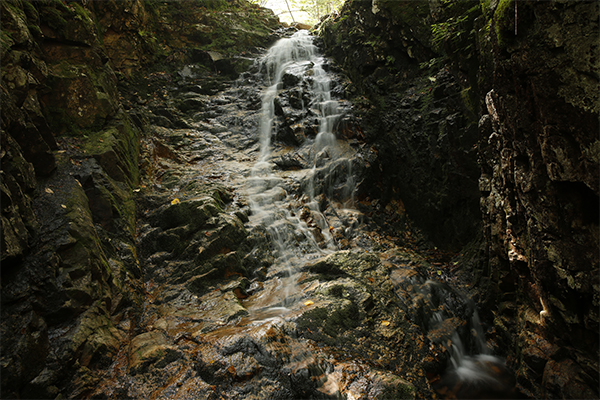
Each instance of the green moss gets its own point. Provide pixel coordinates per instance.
(54, 18)
(485, 7)
(504, 22)
(470, 101)
(334, 319)
(15, 7)
(30, 11)
(5, 42)
(35, 30)
(81, 12)
(411, 13)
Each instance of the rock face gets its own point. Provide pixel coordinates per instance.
(71, 285)
(528, 73)
(413, 112)
(538, 147)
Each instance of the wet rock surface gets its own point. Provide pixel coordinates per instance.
(219, 319)
(545, 249)
(71, 279)
(152, 248)
(224, 317)
(412, 111)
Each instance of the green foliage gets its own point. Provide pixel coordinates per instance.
(455, 30)
(316, 9)
(390, 60)
(449, 30)
(260, 3)
(433, 65)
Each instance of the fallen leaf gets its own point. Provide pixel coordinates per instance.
(63, 206)
(385, 323)
(309, 302)
(175, 201)
(48, 190)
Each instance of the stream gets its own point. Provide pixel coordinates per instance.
(265, 276)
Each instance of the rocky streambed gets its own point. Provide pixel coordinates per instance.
(264, 274)
(247, 258)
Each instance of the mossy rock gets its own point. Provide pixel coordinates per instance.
(504, 22)
(95, 339)
(329, 320)
(151, 349)
(116, 149)
(345, 263)
(193, 211)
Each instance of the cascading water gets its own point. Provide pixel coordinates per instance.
(451, 320)
(269, 194)
(299, 302)
(328, 175)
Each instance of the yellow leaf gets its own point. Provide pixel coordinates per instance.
(48, 190)
(439, 272)
(309, 302)
(63, 206)
(175, 201)
(385, 323)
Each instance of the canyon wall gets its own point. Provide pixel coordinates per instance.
(493, 105)
(70, 153)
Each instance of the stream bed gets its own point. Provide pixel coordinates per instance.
(266, 274)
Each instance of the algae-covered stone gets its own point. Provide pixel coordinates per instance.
(150, 349)
(95, 340)
(84, 97)
(332, 318)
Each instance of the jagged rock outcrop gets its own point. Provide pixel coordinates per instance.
(528, 71)
(539, 157)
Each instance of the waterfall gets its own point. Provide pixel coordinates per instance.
(472, 369)
(275, 206)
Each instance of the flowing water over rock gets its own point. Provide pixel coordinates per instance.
(264, 278)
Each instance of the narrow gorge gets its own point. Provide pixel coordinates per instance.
(200, 202)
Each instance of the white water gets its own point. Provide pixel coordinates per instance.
(273, 205)
(479, 370)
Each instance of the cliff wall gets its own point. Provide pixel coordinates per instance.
(493, 103)
(70, 149)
